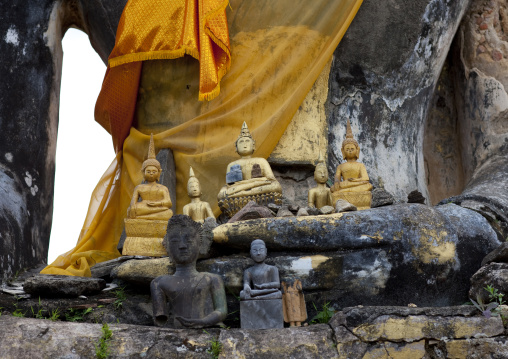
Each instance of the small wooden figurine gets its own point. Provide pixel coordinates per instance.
(293, 303)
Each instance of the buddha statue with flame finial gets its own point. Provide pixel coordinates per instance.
(197, 209)
(248, 179)
(351, 179)
(148, 213)
(320, 195)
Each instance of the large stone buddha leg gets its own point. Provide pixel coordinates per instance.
(408, 253)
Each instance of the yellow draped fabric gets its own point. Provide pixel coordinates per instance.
(278, 50)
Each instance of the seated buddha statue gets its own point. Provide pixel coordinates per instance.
(197, 299)
(351, 179)
(262, 280)
(248, 179)
(320, 195)
(148, 213)
(197, 209)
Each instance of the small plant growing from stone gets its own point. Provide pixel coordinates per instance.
(39, 314)
(215, 347)
(120, 297)
(493, 308)
(324, 315)
(77, 315)
(486, 309)
(55, 315)
(494, 295)
(18, 312)
(102, 348)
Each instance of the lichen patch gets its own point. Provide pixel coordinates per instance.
(11, 37)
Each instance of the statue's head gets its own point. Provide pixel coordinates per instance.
(258, 250)
(350, 148)
(193, 186)
(245, 144)
(321, 173)
(151, 167)
(151, 173)
(182, 239)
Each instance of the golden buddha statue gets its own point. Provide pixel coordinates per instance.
(197, 209)
(248, 179)
(148, 213)
(351, 179)
(320, 195)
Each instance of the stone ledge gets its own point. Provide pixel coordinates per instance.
(314, 341)
(400, 332)
(359, 332)
(36, 338)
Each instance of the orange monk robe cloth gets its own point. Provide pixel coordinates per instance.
(161, 29)
(279, 49)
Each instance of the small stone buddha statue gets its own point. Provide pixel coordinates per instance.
(197, 209)
(148, 213)
(320, 195)
(351, 179)
(262, 280)
(248, 179)
(198, 299)
(261, 298)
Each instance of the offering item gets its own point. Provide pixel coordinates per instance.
(148, 213)
(248, 179)
(351, 179)
(197, 299)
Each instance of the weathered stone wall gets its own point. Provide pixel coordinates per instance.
(383, 78)
(441, 146)
(369, 332)
(30, 69)
(481, 83)
(482, 105)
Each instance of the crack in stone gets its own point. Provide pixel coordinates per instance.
(43, 332)
(386, 350)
